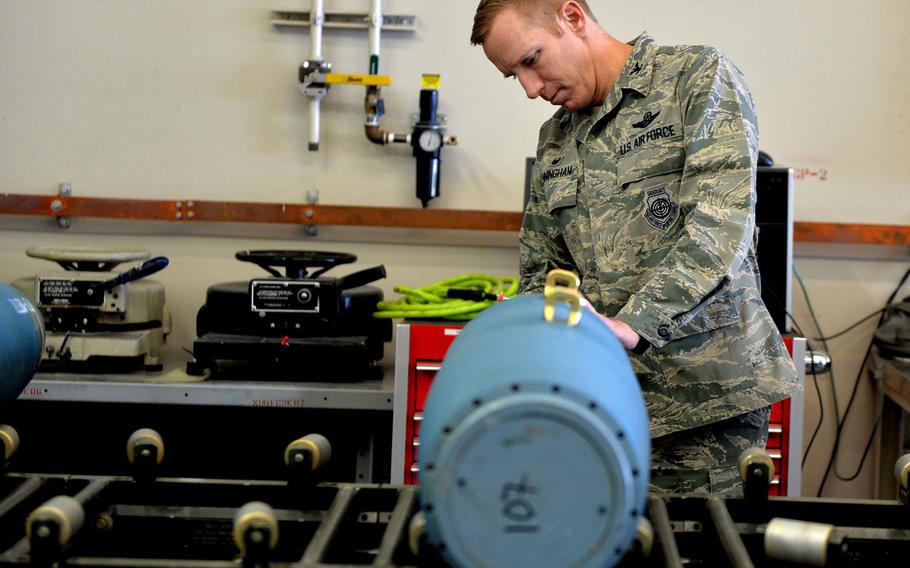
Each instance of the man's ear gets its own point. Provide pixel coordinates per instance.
(573, 17)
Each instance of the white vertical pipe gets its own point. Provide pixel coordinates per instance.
(317, 18)
(314, 123)
(375, 26)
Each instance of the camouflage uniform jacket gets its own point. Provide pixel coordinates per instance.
(650, 198)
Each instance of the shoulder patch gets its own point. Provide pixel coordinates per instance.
(660, 209)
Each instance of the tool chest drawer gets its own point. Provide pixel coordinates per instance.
(420, 349)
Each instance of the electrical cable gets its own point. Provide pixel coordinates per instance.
(821, 403)
(780, 304)
(849, 328)
(802, 286)
(878, 418)
(824, 341)
(839, 423)
(818, 392)
(853, 397)
(878, 422)
(832, 460)
(821, 417)
(460, 298)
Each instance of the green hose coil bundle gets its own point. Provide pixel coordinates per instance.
(459, 298)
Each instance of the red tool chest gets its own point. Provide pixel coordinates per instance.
(421, 347)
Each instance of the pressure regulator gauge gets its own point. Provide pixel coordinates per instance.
(430, 140)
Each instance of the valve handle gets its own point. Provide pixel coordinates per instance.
(147, 268)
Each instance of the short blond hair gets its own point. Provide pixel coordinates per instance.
(541, 10)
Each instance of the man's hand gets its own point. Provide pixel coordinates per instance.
(627, 336)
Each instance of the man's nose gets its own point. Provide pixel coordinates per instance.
(531, 83)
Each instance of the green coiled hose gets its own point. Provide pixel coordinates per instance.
(459, 298)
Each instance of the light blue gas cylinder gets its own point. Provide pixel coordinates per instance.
(21, 342)
(534, 445)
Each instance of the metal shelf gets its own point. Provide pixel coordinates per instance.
(390, 22)
(168, 388)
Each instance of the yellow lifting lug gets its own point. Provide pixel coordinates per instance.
(562, 287)
(351, 79)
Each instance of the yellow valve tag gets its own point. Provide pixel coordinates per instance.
(429, 81)
(562, 286)
(351, 79)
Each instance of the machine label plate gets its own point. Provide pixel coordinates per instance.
(68, 292)
(294, 296)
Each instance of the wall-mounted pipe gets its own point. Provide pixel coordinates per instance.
(314, 74)
(372, 102)
(378, 136)
(317, 19)
(375, 30)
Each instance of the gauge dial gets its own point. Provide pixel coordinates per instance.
(430, 140)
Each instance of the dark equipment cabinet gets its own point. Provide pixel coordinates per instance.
(200, 441)
(774, 225)
(80, 424)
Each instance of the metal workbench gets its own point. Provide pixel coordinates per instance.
(166, 388)
(205, 422)
(892, 386)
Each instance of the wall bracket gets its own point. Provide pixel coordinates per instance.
(301, 19)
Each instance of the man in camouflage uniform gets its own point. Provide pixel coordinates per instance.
(645, 187)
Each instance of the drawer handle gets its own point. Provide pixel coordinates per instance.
(415, 468)
(775, 430)
(418, 416)
(775, 481)
(775, 455)
(428, 367)
(416, 442)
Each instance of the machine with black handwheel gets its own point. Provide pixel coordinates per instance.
(299, 325)
(97, 319)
